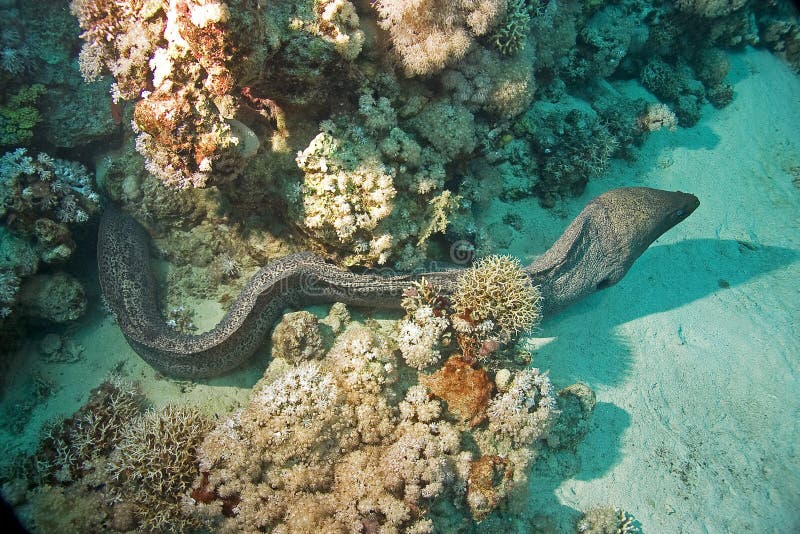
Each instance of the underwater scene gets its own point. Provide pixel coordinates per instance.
(400, 266)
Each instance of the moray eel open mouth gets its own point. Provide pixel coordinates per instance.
(594, 252)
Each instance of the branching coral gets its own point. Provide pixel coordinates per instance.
(19, 114)
(44, 187)
(509, 38)
(494, 300)
(69, 448)
(154, 464)
(607, 520)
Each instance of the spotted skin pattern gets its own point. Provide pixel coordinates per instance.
(594, 252)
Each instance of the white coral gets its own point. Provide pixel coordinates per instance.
(525, 411)
(419, 337)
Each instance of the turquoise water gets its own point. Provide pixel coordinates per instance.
(391, 138)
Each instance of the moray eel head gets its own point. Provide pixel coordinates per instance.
(637, 216)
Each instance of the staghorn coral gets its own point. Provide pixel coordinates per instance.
(493, 301)
(154, 463)
(571, 145)
(121, 467)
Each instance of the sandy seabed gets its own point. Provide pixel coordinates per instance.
(694, 355)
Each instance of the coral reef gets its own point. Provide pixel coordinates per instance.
(357, 449)
(711, 8)
(55, 297)
(114, 466)
(154, 464)
(18, 116)
(493, 302)
(607, 520)
(412, 130)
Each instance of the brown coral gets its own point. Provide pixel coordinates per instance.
(488, 483)
(465, 389)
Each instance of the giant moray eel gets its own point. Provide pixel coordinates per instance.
(594, 252)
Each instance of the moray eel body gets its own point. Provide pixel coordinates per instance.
(595, 252)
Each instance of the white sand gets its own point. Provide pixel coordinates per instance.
(698, 417)
(697, 420)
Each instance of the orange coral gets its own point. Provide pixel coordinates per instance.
(465, 389)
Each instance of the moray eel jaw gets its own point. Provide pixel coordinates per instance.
(599, 247)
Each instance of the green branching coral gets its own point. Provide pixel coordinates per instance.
(494, 301)
(510, 37)
(19, 115)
